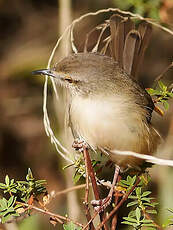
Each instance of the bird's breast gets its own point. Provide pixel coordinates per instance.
(112, 123)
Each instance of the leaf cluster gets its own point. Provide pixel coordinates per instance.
(147, 8)
(141, 204)
(162, 94)
(18, 191)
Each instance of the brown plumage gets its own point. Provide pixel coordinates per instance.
(108, 108)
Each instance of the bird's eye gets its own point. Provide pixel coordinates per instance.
(69, 79)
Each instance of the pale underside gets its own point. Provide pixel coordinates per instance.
(113, 123)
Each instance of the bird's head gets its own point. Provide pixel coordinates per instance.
(83, 72)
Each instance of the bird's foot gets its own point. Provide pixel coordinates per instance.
(79, 144)
(102, 204)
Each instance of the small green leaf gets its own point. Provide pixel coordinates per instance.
(147, 221)
(7, 180)
(147, 199)
(146, 193)
(77, 177)
(138, 191)
(138, 214)
(162, 86)
(166, 105)
(11, 201)
(2, 186)
(3, 203)
(130, 219)
(126, 222)
(132, 203)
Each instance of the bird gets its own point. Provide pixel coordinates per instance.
(108, 107)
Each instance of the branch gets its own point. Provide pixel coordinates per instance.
(51, 214)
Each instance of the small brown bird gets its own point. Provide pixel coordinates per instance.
(108, 108)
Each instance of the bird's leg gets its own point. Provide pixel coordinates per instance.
(100, 205)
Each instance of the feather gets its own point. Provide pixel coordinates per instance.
(130, 52)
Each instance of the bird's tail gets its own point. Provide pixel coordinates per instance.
(128, 43)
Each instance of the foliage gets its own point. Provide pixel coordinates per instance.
(21, 193)
(17, 192)
(147, 8)
(161, 94)
(141, 203)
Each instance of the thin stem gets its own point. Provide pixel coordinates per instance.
(91, 174)
(115, 218)
(56, 216)
(87, 210)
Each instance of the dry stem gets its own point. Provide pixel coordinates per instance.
(51, 214)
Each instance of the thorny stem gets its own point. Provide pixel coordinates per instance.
(51, 214)
(119, 204)
(87, 211)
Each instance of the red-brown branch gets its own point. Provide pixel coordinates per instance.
(87, 210)
(91, 174)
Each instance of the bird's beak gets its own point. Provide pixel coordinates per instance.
(44, 72)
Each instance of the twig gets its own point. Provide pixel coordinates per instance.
(115, 218)
(70, 189)
(87, 211)
(93, 181)
(119, 205)
(56, 216)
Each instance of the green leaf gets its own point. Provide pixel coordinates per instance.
(132, 203)
(166, 105)
(3, 203)
(146, 193)
(162, 86)
(138, 214)
(11, 201)
(147, 199)
(147, 221)
(126, 222)
(77, 177)
(130, 219)
(132, 214)
(138, 191)
(2, 186)
(7, 180)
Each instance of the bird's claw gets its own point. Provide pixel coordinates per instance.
(79, 144)
(102, 204)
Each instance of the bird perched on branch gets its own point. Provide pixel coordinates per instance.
(108, 107)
